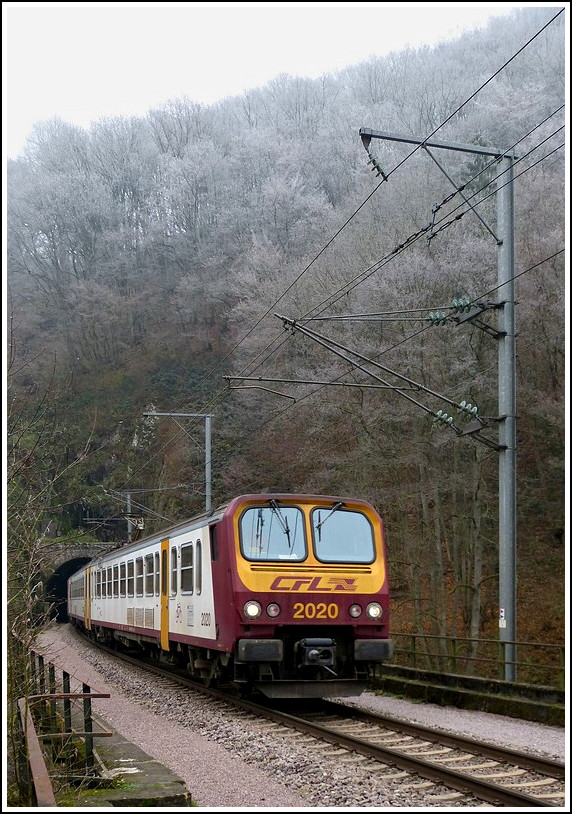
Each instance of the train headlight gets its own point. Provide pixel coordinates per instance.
(252, 610)
(374, 610)
(273, 610)
(355, 611)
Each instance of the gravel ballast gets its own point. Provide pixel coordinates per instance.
(226, 763)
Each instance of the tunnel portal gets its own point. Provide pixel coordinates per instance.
(56, 587)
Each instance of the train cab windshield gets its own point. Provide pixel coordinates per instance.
(342, 536)
(273, 533)
(276, 533)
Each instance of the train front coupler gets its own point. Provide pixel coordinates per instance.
(316, 653)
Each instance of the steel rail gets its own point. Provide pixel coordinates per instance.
(522, 759)
(467, 784)
(479, 788)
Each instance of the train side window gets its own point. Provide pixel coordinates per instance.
(214, 542)
(199, 568)
(173, 570)
(139, 576)
(157, 574)
(98, 583)
(116, 580)
(187, 568)
(103, 583)
(149, 574)
(122, 579)
(130, 578)
(109, 581)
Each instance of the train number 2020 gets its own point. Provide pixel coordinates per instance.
(311, 611)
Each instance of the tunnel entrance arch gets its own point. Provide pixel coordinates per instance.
(63, 561)
(56, 587)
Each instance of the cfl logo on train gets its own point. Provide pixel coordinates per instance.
(294, 583)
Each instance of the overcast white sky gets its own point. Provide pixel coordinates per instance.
(85, 61)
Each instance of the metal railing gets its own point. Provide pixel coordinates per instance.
(32, 764)
(535, 663)
(51, 714)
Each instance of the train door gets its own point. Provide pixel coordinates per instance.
(87, 598)
(164, 594)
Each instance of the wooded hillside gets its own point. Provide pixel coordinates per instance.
(148, 259)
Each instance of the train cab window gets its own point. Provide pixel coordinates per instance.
(198, 568)
(116, 580)
(157, 574)
(187, 568)
(109, 581)
(273, 532)
(342, 536)
(173, 571)
(149, 574)
(139, 576)
(122, 579)
(130, 578)
(98, 583)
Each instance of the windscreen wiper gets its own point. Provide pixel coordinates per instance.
(258, 533)
(320, 523)
(282, 520)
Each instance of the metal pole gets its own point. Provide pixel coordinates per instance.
(129, 523)
(88, 729)
(67, 703)
(207, 417)
(507, 416)
(53, 726)
(506, 382)
(208, 462)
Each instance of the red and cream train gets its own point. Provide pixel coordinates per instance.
(284, 594)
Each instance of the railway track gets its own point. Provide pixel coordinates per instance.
(496, 775)
(448, 768)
